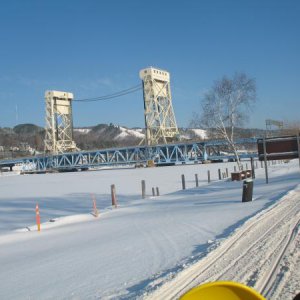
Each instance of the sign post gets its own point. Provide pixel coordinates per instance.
(265, 160)
(298, 145)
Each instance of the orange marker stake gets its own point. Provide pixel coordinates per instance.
(96, 212)
(38, 218)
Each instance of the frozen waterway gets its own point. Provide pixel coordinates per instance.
(128, 251)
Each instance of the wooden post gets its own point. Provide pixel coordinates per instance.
(265, 160)
(219, 171)
(113, 196)
(143, 189)
(183, 181)
(252, 167)
(157, 191)
(208, 176)
(227, 174)
(153, 192)
(196, 180)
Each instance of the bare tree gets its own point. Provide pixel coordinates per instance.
(225, 107)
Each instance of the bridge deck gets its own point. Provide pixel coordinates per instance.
(160, 154)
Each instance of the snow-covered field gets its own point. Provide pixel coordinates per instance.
(145, 247)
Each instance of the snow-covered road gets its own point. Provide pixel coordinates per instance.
(251, 255)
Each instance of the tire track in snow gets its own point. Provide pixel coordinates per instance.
(256, 235)
(268, 285)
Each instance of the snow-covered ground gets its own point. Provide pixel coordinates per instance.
(143, 246)
(126, 132)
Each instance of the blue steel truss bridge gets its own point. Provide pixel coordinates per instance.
(168, 154)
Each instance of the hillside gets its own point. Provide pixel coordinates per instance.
(27, 139)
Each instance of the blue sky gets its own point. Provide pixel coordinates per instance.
(93, 48)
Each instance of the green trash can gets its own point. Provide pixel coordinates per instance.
(247, 190)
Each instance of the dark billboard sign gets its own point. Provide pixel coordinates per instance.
(285, 147)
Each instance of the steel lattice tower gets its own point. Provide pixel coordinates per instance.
(59, 122)
(160, 120)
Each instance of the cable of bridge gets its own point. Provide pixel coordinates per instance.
(113, 95)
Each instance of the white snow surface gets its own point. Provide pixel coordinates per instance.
(128, 251)
(199, 132)
(82, 130)
(125, 132)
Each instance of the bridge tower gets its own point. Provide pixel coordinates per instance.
(59, 122)
(160, 120)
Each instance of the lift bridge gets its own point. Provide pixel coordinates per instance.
(161, 143)
(159, 155)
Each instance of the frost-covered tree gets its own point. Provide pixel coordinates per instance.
(226, 106)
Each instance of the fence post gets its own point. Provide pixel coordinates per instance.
(227, 175)
(208, 176)
(157, 191)
(143, 189)
(153, 192)
(196, 180)
(113, 195)
(219, 171)
(183, 181)
(252, 167)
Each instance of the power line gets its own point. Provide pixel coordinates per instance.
(113, 95)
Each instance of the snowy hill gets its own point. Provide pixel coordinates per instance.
(129, 133)
(116, 135)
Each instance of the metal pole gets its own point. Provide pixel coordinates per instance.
(298, 143)
(265, 160)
